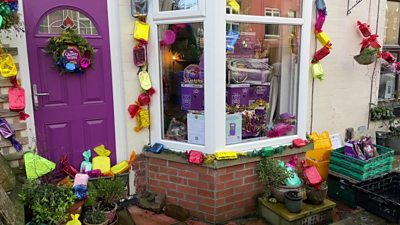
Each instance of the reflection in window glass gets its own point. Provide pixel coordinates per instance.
(262, 82)
(60, 20)
(172, 5)
(264, 7)
(182, 75)
(392, 23)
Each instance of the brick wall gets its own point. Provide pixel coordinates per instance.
(211, 194)
(140, 168)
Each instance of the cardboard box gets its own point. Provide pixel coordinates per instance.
(233, 131)
(259, 92)
(192, 97)
(237, 94)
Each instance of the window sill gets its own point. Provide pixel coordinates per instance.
(227, 163)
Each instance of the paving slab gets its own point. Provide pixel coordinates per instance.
(145, 217)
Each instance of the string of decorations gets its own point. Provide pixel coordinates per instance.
(139, 109)
(316, 66)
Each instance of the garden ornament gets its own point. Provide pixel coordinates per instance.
(7, 66)
(102, 161)
(86, 165)
(139, 8)
(7, 132)
(364, 29)
(74, 220)
(67, 167)
(141, 31)
(37, 166)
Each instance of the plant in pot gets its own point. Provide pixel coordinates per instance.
(293, 201)
(391, 138)
(103, 196)
(49, 203)
(95, 217)
(273, 176)
(316, 195)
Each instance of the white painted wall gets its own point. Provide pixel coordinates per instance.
(342, 99)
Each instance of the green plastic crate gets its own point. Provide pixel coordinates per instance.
(361, 176)
(362, 165)
(360, 169)
(342, 190)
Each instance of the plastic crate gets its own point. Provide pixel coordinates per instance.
(342, 190)
(382, 169)
(322, 167)
(362, 165)
(381, 196)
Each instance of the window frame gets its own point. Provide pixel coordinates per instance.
(185, 13)
(215, 20)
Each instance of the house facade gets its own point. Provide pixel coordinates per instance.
(72, 113)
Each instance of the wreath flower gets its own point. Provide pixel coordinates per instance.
(71, 52)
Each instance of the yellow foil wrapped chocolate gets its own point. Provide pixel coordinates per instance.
(235, 5)
(102, 162)
(142, 119)
(323, 38)
(7, 66)
(317, 71)
(124, 166)
(141, 32)
(225, 155)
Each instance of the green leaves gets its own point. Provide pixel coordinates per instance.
(381, 113)
(271, 174)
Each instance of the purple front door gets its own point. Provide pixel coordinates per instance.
(73, 112)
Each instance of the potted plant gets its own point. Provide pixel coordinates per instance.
(293, 201)
(103, 195)
(47, 202)
(273, 176)
(391, 138)
(316, 196)
(381, 113)
(95, 217)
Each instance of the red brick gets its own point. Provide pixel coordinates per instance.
(187, 174)
(200, 200)
(175, 194)
(243, 188)
(178, 180)
(234, 183)
(162, 176)
(252, 179)
(244, 203)
(177, 165)
(235, 213)
(251, 165)
(206, 178)
(153, 182)
(234, 168)
(187, 189)
(206, 193)
(153, 168)
(198, 184)
(210, 218)
(223, 209)
(234, 198)
(244, 173)
(168, 170)
(225, 177)
(198, 169)
(188, 205)
(152, 175)
(220, 218)
(159, 162)
(157, 189)
(167, 185)
(225, 193)
(171, 200)
(219, 202)
(206, 209)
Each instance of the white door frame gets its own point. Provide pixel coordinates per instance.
(120, 120)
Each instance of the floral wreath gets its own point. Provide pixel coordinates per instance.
(71, 52)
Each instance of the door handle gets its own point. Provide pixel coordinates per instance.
(35, 95)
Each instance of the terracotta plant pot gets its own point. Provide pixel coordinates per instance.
(104, 223)
(293, 201)
(111, 214)
(316, 197)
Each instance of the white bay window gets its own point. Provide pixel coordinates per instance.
(223, 83)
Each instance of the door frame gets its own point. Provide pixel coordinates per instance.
(120, 119)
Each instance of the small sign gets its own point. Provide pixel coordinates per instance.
(72, 54)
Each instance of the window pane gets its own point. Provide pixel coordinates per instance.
(262, 82)
(60, 20)
(284, 8)
(392, 23)
(182, 75)
(172, 5)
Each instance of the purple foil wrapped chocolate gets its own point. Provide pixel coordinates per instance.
(5, 129)
(237, 94)
(259, 92)
(192, 97)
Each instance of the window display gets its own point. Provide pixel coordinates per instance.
(173, 5)
(261, 82)
(182, 76)
(287, 8)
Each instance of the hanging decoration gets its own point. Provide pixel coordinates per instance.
(141, 34)
(71, 52)
(370, 46)
(7, 132)
(37, 166)
(16, 98)
(316, 67)
(9, 17)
